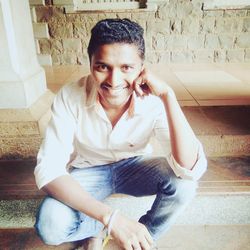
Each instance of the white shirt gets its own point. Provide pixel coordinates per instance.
(80, 134)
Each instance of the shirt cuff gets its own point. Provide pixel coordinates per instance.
(196, 172)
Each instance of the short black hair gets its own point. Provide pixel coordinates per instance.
(116, 30)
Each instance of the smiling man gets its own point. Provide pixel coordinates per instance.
(97, 144)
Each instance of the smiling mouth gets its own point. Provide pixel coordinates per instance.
(108, 87)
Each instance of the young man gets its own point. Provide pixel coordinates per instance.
(103, 123)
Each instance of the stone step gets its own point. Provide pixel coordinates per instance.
(223, 195)
(182, 237)
(225, 175)
(223, 130)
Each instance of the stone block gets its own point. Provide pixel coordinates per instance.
(181, 57)
(177, 42)
(212, 41)
(63, 2)
(37, 2)
(83, 59)
(33, 14)
(228, 25)
(220, 56)
(152, 57)
(40, 30)
(56, 58)
(212, 13)
(81, 29)
(165, 57)
(196, 42)
(44, 59)
(162, 27)
(246, 25)
(204, 56)
(190, 25)
(159, 42)
(37, 46)
(45, 46)
(72, 45)
(184, 9)
(50, 13)
(56, 46)
(227, 41)
(125, 15)
(243, 40)
(207, 25)
(166, 11)
(61, 30)
(176, 26)
(69, 58)
(235, 56)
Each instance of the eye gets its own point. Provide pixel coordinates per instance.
(102, 67)
(127, 68)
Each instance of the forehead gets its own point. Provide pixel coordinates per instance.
(122, 53)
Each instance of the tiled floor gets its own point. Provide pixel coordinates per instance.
(194, 84)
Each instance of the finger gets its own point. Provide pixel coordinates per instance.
(137, 246)
(137, 87)
(149, 238)
(145, 245)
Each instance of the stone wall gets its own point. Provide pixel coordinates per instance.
(178, 32)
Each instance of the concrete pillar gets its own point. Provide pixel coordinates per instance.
(24, 98)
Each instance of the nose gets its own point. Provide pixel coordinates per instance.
(115, 79)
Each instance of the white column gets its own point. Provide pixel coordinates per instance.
(22, 80)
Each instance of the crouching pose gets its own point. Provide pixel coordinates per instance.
(97, 144)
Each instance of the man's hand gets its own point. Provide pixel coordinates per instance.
(130, 234)
(147, 83)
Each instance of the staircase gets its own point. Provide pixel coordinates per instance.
(218, 218)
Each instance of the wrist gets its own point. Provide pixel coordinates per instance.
(106, 218)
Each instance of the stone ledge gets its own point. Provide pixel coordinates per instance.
(21, 130)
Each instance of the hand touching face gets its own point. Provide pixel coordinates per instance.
(147, 83)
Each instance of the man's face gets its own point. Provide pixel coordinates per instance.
(114, 68)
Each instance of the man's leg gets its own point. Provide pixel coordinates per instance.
(147, 176)
(57, 223)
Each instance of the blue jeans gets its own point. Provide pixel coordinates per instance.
(138, 176)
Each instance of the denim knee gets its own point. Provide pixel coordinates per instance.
(55, 222)
(185, 190)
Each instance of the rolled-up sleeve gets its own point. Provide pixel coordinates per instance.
(196, 172)
(57, 146)
(161, 132)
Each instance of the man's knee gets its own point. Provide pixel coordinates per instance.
(54, 222)
(185, 190)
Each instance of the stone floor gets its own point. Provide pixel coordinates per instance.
(178, 238)
(194, 84)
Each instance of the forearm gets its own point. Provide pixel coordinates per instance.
(184, 144)
(69, 191)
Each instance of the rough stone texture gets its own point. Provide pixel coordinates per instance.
(177, 28)
(72, 45)
(235, 55)
(196, 42)
(243, 40)
(226, 41)
(21, 131)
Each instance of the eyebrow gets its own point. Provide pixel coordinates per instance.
(123, 64)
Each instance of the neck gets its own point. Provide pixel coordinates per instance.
(114, 113)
